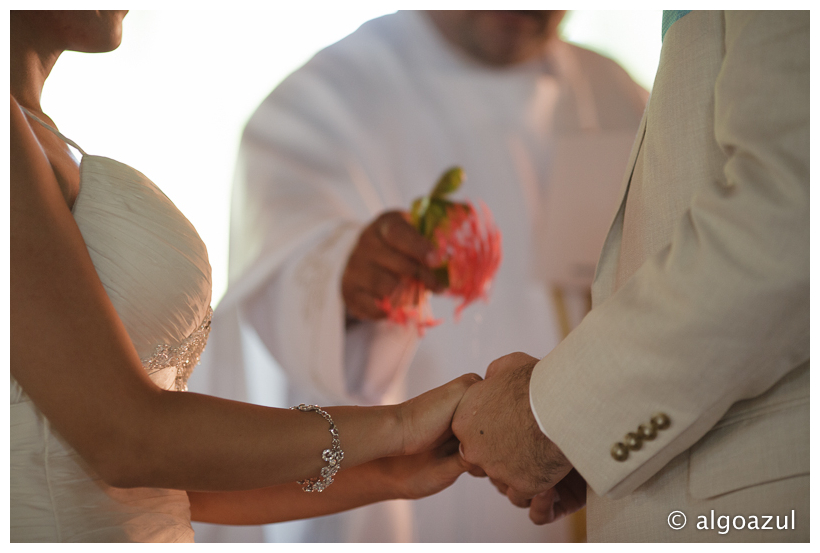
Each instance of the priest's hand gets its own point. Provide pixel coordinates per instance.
(499, 434)
(388, 250)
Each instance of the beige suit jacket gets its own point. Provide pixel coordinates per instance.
(701, 299)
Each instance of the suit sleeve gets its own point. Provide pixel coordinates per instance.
(720, 314)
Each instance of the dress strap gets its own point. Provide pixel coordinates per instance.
(55, 131)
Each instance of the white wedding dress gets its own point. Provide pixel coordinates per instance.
(155, 269)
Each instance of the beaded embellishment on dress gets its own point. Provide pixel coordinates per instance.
(184, 357)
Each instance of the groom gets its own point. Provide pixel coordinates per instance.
(686, 390)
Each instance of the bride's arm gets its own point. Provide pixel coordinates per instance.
(72, 355)
(403, 477)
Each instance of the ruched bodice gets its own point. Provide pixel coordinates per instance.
(157, 275)
(155, 270)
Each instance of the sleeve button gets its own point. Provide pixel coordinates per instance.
(619, 452)
(660, 421)
(647, 432)
(633, 441)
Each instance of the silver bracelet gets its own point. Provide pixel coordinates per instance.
(333, 456)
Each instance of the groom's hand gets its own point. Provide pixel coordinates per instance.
(566, 497)
(498, 432)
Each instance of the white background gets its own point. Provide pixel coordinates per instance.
(173, 99)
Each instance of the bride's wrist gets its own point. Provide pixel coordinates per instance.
(405, 425)
(395, 430)
(368, 433)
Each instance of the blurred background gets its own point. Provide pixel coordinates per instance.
(173, 99)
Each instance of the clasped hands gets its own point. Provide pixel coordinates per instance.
(492, 427)
(500, 438)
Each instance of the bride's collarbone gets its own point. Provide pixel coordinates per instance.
(66, 168)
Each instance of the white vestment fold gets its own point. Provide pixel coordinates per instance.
(369, 124)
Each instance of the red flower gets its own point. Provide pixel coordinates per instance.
(469, 246)
(410, 304)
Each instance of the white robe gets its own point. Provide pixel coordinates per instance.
(368, 125)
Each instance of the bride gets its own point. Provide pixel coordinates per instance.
(110, 294)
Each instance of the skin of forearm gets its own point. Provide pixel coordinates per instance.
(351, 488)
(222, 445)
(236, 446)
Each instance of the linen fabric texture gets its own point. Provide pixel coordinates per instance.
(701, 296)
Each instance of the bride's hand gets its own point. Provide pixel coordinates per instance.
(425, 419)
(422, 474)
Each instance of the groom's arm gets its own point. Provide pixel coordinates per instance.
(722, 313)
(719, 315)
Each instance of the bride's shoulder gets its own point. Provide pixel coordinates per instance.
(38, 155)
(27, 158)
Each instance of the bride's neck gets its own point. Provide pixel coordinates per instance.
(31, 61)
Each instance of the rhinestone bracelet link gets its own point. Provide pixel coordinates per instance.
(333, 456)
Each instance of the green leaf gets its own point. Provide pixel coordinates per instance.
(417, 212)
(449, 182)
(436, 211)
(428, 212)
